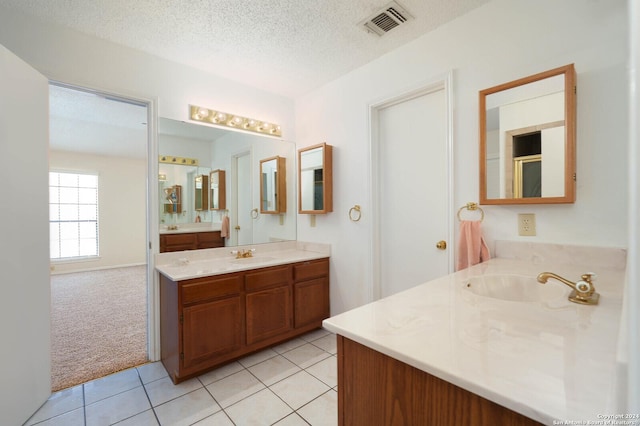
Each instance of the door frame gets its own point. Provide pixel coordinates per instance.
(444, 82)
(152, 214)
(235, 190)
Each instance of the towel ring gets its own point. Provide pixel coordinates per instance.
(472, 207)
(254, 214)
(354, 213)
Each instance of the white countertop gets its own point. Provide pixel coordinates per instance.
(185, 265)
(191, 227)
(549, 361)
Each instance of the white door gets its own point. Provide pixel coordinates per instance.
(413, 191)
(243, 228)
(25, 359)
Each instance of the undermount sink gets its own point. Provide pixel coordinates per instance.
(252, 260)
(517, 288)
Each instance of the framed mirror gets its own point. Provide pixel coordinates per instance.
(172, 199)
(527, 140)
(315, 179)
(273, 185)
(217, 190)
(201, 193)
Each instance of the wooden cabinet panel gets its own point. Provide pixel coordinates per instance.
(376, 389)
(202, 289)
(268, 313)
(311, 269)
(211, 329)
(266, 278)
(190, 241)
(311, 301)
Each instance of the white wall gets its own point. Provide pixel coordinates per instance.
(74, 58)
(121, 208)
(499, 42)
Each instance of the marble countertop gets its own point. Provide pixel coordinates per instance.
(185, 265)
(548, 360)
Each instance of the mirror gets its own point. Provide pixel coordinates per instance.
(315, 179)
(201, 196)
(527, 140)
(172, 200)
(234, 157)
(217, 194)
(273, 183)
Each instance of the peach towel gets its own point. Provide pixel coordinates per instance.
(224, 227)
(471, 246)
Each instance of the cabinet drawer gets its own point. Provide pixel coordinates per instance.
(179, 239)
(311, 269)
(209, 237)
(210, 288)
(266, 278)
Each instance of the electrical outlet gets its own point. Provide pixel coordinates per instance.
(527, 224)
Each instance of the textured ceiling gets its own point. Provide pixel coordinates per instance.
(288, 47)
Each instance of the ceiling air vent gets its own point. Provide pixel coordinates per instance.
(383, 21)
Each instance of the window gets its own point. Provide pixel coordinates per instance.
(73, 215)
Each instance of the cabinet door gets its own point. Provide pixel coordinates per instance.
(311, 301)
(268, 313)
(210, 240)
(211, 329)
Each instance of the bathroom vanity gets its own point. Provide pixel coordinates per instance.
(215, 308)
(487, 345)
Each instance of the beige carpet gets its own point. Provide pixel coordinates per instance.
(98, 324)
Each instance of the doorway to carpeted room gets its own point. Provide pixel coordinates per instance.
(98, 324)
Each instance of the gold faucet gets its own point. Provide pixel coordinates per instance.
(243, 254)
(583, 292)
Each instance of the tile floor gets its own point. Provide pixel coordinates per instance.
(290, 384)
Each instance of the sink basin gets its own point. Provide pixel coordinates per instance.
(517, 288)
(252, 260)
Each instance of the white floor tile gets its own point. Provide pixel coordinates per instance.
(152, 372)
(111, 385)
(218, 419)
(71, 418)
(306, 355)
(274, 369)
(118, 407)
(326, 371)
(59, 403)
(299, 389)
(187, 409)
(288, 345)
(234, 388)
(292, 420)
(315, 334)
(327, 343)
(322, 411)
(146, 418)
(258, 357)
(220, 373)
(164, 390)
(262, 408)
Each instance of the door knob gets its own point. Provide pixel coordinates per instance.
(442, 245)
(237, 227)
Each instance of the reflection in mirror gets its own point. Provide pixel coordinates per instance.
(315, 179)
(219, 150)
(273, 184)
(201, 193)
(217, 194)
(527, 140)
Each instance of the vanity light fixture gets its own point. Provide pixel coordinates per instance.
(205, 115)
(170, 159)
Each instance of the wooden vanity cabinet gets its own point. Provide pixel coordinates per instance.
(206, 322)
(374, 388)
(190, 241)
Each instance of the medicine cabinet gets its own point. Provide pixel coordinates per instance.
(273, 185)
(315, 179)
(217, 193)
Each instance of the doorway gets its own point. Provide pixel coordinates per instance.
(411, 171)
(99, 233)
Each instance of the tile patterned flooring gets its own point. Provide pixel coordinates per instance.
(294, 383)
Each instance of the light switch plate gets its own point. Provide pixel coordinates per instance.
(527, 224)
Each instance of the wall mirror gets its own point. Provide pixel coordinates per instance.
(527, 140)
(234, 157)
(273, 182)
(315, 179)
(217, 190)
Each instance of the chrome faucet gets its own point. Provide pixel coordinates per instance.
(583, 292)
